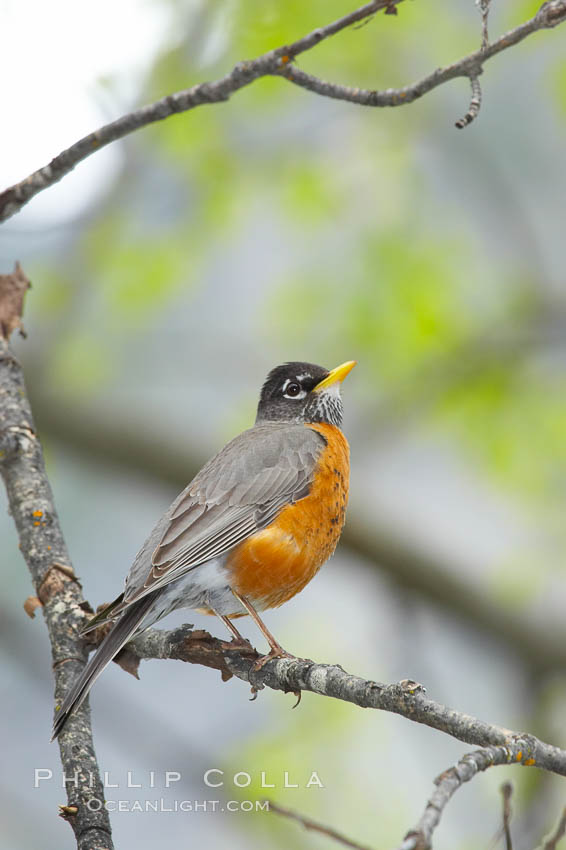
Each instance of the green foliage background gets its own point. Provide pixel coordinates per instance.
(399, 277)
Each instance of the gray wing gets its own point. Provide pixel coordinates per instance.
(238, 492)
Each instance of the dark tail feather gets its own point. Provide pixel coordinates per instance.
(110, 646)
(105, 616)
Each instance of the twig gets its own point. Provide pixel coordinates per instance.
(474, 107)
(484, 9)
(315, 827)
(507, 793)
(549, 15)
(43, 547)
(448, 783)
(277, 62)
(552, 842)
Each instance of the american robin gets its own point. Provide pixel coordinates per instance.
(251, 529)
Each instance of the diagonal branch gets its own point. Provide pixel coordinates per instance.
(450, 780)
(405, 698)
(549, 15)
(244, 73)
(43, 547)
(315, 826)
(278, 62)
(500, 746)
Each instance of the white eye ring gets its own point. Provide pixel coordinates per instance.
(293, 396)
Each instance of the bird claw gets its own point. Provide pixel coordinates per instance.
(275, 652)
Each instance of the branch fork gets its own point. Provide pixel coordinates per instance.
(279, 63)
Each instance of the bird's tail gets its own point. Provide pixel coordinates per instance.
(108, 613)
(110, 646)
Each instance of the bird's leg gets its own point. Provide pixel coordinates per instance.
(240, 639)
(276, 650)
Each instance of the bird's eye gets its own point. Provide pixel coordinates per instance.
(292, 389)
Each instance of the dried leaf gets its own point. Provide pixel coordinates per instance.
(31, 603)
(13, 288)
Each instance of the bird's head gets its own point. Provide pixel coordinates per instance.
(303, 392)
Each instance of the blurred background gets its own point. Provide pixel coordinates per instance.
(171, 271)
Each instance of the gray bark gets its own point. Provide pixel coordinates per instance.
(43, 548)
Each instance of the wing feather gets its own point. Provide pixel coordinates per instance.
(238, 492)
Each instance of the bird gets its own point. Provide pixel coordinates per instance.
(250, 530)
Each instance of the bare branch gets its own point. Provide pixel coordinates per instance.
(42, 545)
(484, 9)
(277, 62)
(549, 15)
(244, 73)
(405, 698)
(448, 783)
(315, 827)
(500, 746)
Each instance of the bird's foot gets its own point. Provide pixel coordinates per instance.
(298, 694)
(276, 651)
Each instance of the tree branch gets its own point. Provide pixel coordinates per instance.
(484, 10)
(500, 746)
(405, 698)
(278, 62)
(43, 547)
(549, 15)
(244, 73)
(450, 780)
(314, 826)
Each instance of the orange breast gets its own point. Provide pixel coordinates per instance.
(276, 563)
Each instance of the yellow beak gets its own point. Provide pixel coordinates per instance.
(337, 375)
